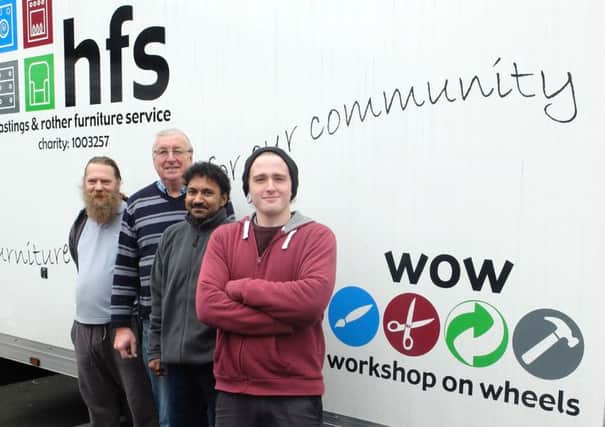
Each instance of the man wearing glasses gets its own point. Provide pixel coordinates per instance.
(149, 212)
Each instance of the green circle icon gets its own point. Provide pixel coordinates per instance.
(476, 333)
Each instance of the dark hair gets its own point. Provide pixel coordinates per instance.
(292, 168)
(107, 161)
(210, 171)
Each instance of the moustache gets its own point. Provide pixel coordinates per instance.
(199, 206)
(94, 193)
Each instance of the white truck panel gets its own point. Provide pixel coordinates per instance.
(513, 174)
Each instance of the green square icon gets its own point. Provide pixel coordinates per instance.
(39, 83)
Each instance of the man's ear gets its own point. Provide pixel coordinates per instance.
(224, 200)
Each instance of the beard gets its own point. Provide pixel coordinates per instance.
(102, 207)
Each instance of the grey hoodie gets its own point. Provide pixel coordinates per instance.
(176, 334)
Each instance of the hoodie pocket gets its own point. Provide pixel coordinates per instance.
(226, 355)
(261, 358)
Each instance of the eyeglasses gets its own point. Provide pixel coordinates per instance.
(176, 152)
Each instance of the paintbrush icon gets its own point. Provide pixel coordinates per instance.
(353, 315)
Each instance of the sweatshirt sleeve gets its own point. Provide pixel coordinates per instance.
(157, 282)
(297, 302)
(126, 282)
(215, 308)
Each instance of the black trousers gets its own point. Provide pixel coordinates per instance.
(191, 395)
(241, 410)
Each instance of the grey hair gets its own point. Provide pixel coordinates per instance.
(174, 131)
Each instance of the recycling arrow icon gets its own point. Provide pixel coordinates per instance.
(476, 333)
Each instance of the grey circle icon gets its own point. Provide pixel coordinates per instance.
(548, 344)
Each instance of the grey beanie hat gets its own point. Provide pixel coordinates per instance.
(292, 168)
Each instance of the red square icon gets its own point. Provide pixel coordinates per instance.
(37, 22)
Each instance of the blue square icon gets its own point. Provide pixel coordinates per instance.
(8, 25)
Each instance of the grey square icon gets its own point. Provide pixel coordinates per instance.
(9, 87)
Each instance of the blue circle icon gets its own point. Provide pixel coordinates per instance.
(353, 316)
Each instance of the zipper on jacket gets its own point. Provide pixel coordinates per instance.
(189, 303)
(261, 257)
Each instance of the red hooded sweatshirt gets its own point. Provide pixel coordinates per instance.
(268, 309)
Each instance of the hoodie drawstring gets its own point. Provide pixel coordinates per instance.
(246, 229)
(287, 241)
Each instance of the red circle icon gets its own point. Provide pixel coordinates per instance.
(411, 324)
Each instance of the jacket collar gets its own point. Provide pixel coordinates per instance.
(207, 223)
(290, 228)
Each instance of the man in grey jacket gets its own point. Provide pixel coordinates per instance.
(178, 340)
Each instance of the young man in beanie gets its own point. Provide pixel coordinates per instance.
(264, 284)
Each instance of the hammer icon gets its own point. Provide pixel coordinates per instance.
(561, 332)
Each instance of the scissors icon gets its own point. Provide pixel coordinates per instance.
(396, 326)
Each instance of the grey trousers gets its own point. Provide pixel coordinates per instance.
(104, 377)
(241, 410)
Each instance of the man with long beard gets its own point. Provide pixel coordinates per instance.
(103, 376)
